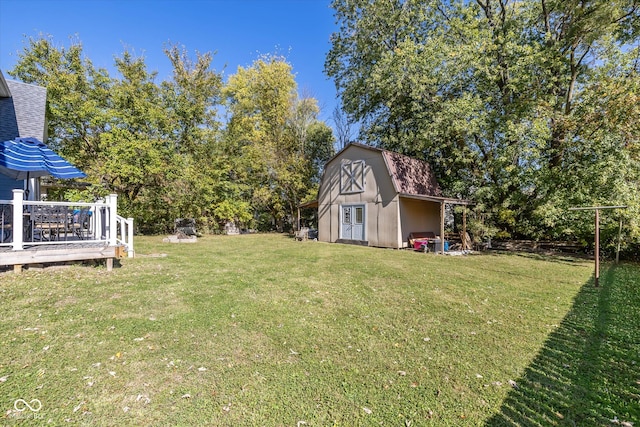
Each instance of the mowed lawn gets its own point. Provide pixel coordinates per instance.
(262, 330)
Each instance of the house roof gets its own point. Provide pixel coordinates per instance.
(4, 89)
(22, 110)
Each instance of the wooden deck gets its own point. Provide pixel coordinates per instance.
(52, 232)
(59, 253)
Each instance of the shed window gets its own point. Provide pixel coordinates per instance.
(359, 215)
(352, 177)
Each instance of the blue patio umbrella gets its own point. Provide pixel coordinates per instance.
(24, 158)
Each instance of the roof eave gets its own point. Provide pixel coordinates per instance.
(4, 88)
(311, 204)
(438, 199)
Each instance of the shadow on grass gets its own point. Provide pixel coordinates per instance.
(588, 372)
(557, 257)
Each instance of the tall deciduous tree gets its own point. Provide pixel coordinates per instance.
(152, 144)
(343, 127)
(163, 147)
(78, 98)
(191, 99)
(506, 98)
(133, 156)
(269, 132)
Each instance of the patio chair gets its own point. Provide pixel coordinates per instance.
(6, 222)
(302, 234)
(80, 223)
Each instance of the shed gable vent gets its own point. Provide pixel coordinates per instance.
(352, 177)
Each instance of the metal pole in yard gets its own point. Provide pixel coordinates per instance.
(464, 228)
(597, 248)
(619, 242)
(597, 235)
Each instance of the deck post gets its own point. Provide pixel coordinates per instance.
(18, 223)
(112, 202)
(98, 220)
(130, 250)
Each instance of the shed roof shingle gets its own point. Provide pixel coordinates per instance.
(411, 176)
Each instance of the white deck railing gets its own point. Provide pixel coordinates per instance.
(125, 235)
(96, 222)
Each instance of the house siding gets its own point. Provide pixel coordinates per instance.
(7, 185)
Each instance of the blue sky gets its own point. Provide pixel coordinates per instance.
(238, 30)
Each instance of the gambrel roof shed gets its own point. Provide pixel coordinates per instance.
(377, 197)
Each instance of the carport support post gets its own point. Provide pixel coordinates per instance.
(464, 228)
(442, 228)
(597, 249)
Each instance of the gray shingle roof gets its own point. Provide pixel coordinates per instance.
(22, 110)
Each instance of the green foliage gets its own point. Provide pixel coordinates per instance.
(319, 148)
(163, 148)
(77, 96)
(525, 107)
(276, 137)
(233, 210)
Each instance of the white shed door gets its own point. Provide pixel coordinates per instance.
(352, 222)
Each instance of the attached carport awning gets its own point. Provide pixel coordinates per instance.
(443, 202)
(447, 200)
(311, 204)
(308, 205)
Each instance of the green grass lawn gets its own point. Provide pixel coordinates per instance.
(267, 331)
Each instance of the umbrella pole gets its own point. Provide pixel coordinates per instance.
(26, 192)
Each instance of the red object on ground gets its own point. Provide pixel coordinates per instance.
(418, 243)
